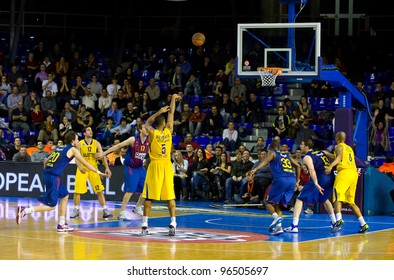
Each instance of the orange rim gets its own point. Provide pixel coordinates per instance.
(273, 70)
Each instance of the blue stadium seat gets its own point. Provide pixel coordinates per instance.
(269, 140)
(244, 129)
(35, 133)
(137, 74)
(196, 99)
(6, 135)
(216, 139)
(20, 135)
(158, 75)
(280, 89)
(99, 135)
(391, 152)
(316, 128)
(203, 141)
(22, 59)
(330, 143)
(163, 87)
(176, 139)
(321, 104)
(311, 101)
(377, 162)
(269, 102)
(391, 133)
(289, 142)
(186, 98)
(4, 122)
(209, 98)
(334, 103)
(147, 75)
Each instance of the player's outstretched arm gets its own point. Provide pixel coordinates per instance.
(271, 156)
(170, 117)
(128, 141)
(104, 159)
(77, 155)
(151, 119)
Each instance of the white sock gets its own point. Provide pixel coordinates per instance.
(361, 220)
(62, 220)
(295, 221)
(275, 215)
(332, 218)
(139, 204)
(145, 219)
(173, 219)
(29, 210)
(339, 216)
(76, 207)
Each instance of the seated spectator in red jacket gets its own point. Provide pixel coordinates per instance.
(188, 140)
(196, 121)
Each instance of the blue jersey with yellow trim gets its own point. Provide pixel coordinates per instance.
(281, 166)
(58, 160)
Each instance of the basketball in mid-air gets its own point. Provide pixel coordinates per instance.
(198, 39)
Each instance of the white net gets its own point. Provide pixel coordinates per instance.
(268, 77)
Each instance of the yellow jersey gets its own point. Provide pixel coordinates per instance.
(161, 145)
(88, 151)
(348, 161)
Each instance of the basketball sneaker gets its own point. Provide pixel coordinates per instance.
(292, 228)
(277, 230)
(308, 211)
(64, 228)
(106, 214)
(276, 221)
(172, 229)
(138, 211)
(338, 225)
(20, 213)
(144, 229)
(122, 216)
(74, 214)
(364, 229)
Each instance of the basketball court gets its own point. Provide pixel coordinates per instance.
(203, 233)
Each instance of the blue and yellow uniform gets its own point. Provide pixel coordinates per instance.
(282, 188)
(134, 170)
(53, 171)
(309, 192)
(346, 180)
(159, 183)
(88, 150)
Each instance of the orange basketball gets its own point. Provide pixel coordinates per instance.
(198, 39)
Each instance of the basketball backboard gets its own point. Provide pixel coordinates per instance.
(295, 47)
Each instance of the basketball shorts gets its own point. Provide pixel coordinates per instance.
(134, 179)
(345, 186)
(81, 181)
(55, 190)
(159, 182)
(281, 190)
(309, 193)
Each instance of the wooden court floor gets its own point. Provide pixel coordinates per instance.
(203, 233)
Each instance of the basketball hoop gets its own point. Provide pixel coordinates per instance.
(268, 75)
